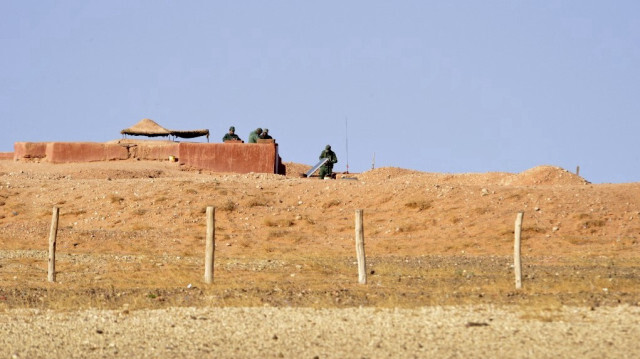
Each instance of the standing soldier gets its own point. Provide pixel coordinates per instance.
(327, 167)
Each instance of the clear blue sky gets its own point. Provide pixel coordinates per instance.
(436, 86)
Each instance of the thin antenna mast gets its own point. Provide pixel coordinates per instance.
(346, 136)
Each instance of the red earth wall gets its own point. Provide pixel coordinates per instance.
(155, 152)
(230, 157)
(24, 150)
(219, 157)
(65, 152)
(6, 155)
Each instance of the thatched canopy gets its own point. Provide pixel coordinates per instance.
(190, 134)
(146, 127)
(149, 128)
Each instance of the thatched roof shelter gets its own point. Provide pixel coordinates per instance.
(146, 127)
(150, 128)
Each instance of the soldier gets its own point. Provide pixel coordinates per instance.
(255, 135)
(231, 135)
(265, 134)
(327, 167)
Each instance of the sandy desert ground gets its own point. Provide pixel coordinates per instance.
(130, 253)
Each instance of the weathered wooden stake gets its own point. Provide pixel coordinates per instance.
(210, 245)
(362, 274)
(577, 170)
(517, 264)
(53, 234)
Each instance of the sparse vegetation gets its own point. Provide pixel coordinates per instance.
(331, 203)
(533, 229)
(419, 205)
(277, 234)
(141, 244)
(256, 202)
(140, 212)
(576, 240)
(594, 223)
(283, 222)
(479, 211)
(582, 216)
(116, 199)
(227, 206)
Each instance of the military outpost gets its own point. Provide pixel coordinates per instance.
(231, 156)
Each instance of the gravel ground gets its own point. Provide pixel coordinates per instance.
(450, 332)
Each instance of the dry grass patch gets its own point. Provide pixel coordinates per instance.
(141, 227)
(278, 233)
(116, 199)
(576, 240)
(594, 223)
(419, 205)
(71, 213)
(257, 202)
(283, 222)
(140, 212)
(227, 206)
(533, 229)
(480, 211)
(331, 203)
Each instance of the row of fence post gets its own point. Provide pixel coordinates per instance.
(210, 247)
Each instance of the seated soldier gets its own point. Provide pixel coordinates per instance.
(265, 134)
(231, 135)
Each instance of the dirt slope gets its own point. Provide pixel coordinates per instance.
(151, 212)
(131, 237)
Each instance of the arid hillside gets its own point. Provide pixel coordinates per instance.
(137, 224)
(439, 264)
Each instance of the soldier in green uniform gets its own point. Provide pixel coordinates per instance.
(265, 134)
(327, 168)
(231, 135)
(255, 135)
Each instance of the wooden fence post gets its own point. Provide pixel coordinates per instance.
(577, 170)
(517, 264)
(210, 247)
(53, 234)
(362, 266)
